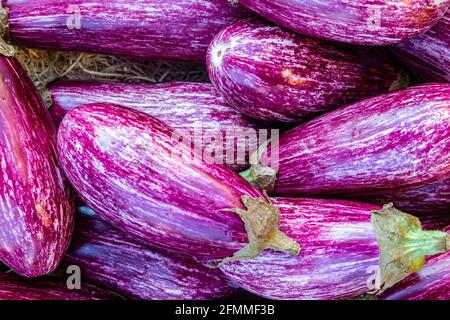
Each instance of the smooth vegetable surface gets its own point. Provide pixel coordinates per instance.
(195, 107)
(36, 217)
(273, 74)
(339, 257)
(15, 288)
(135, 173)
(110, 257)
(158, 29)
(394, 142)
(430, 53)
(364, 22)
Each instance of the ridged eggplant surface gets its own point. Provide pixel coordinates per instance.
(365, 22)
(135, 173)
(157, 29)
(430, 53)
(112, 258)
(196, 107)
(273, 74)
(394, 142)
(15, 288)
(36, 209)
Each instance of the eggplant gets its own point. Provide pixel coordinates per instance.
(390, 143)
(112, 258)
(340, 252)
(364, 22)
(36, 205)
(431, 199)
(269, 73)
(158, 29)
(49, 288)
(430, 283)
(196, 107)
(142, 177)
(429, 54)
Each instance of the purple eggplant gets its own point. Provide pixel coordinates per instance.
(431, 199)
(430, 283)
(138, 175)
(15, 288)
(36, 209)
(110, 257)
(364, 22)
(390, 143)
(430, 53)
(273, 74)
(157, 29)
(196, 107)
(340, 252)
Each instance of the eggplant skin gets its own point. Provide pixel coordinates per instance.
(36, 206)
(111, 258)
(157, 29)
(129, 168)
(429, 54)
(430, 283)
(431, 199)
(356, 22)
(16, 288)
(339, 252)
(394, 142)
(183, 106)
(269, 73)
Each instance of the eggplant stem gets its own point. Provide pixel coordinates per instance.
(261, 221)
(5, 48)
(403, 245)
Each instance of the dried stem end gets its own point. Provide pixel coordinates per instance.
(5, 49)
(261, 220)
(403, 245)
(260, 176)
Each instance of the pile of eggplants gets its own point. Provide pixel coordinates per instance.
(163, 219)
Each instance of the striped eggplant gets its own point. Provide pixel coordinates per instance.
(339, 257)
(394, 142)
(140, 176)
(157, 29)
(184, 106)
(431, 199)
(430, 53)
(430, 283)
(365, 22)
(273, 74)
(15, 288)
(112, 258)
(36, 217)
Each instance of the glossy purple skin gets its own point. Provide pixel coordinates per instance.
(429, 54)
(339, 250)
(431, 199)
(111, 258)
(364, 22)
(430, 283)
(15, 288)
(157, 29)
(184, 105)
(394, 142)
(36, 209)
(126, 166)
(273, 74)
